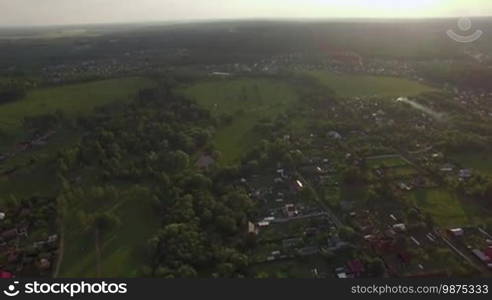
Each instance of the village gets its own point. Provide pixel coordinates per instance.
(28, 237)
(353, 220)
(291, 227)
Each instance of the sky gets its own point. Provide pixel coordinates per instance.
(55, 12)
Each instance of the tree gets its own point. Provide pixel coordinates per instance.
(181, 243)
(376, 267)
(197, 182)
(352, 175)
(201, 137)
(262, 275)
(225, 270)
(347, 233)
(226, 224)
(186, 271)
(178, 161)
(98, 223)
(11, 92)
(105, 221)
(183, 210)
(12, 202)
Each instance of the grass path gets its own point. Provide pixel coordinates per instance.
(247, 101)
(61, 251)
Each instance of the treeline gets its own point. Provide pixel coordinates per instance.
(460, 74)
(11, 92)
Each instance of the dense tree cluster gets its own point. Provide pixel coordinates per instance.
(148, 149)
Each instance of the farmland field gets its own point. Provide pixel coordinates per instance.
(347, 85)
(446, 208)
(72, 99)
(247, 101)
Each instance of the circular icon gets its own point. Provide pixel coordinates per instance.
(11, 290)
(464, 24)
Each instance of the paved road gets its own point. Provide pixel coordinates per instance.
(327, 210)
(456, 250)
(313, 215)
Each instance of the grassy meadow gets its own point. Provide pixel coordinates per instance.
(247, 101)
(348, 85)
(122, 248)
(73, 99)
(447, 208)
(478, 161)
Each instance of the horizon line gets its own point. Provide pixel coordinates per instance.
(219, 20)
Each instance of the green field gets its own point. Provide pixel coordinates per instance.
(447, 208)
(479, 161)
(247, 101)
(39, 178)
(347, 85)
(30, 181)
(400, 172)
(300, 269)
(122, 248)
(73, 99)
(386, 162)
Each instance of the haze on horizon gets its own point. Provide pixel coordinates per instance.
(58, 12)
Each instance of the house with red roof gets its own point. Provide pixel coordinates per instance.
(488, 253)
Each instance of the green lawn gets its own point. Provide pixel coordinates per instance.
(73, 99)
(348, 85)
(301, 268)
(480, 161)
(447, 208)
(247, 101)
(399, 172)
(38, 179)
(123, 248)
(386, 162)
(354, 193)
